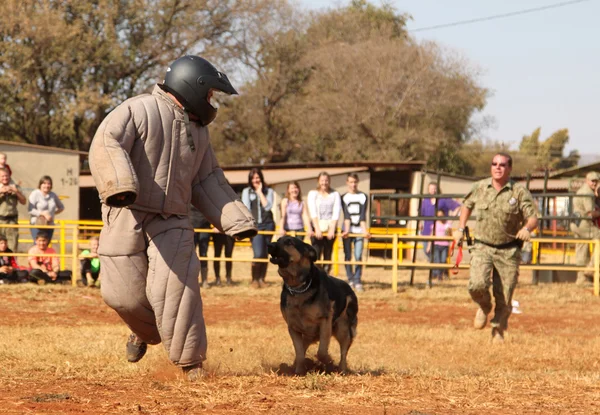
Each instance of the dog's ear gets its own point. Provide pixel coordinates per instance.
(310, 253)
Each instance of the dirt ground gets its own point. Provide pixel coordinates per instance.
(414, 355)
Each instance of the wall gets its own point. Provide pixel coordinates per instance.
(30, 163)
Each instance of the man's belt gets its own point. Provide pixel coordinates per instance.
(9, 217)
(511, 244)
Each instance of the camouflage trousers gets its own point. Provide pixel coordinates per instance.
(498, 268)
(582, 251)
(12, 234)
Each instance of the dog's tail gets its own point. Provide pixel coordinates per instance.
(352, 313)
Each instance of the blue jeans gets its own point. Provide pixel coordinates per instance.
(353, 276)
(440, 256)
(259, 242)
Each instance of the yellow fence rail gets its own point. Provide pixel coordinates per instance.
(70, 231)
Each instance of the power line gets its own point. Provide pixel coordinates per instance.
(499, 16)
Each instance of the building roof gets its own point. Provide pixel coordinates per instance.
(45, 148)
(371, 165)
(537, 185)
(579, 171)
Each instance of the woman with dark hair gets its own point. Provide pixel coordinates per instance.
(258, 198)
(294, 213)
(324, 207)
(44, 205)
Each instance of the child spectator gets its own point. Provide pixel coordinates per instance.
(44, 268)
(3, 164)
(90, 264)
(440, 248)
(8, 265)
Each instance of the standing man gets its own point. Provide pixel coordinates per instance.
(585, 207)
(10, 196)
(150, 158)
(506, 216)
(354, 204)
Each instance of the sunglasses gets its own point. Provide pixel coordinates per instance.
(499, 164)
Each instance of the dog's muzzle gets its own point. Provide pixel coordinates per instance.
(278, 256)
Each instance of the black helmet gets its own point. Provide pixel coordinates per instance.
(190, 78)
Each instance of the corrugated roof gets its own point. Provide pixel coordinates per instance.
(46, 148)
(537, 185)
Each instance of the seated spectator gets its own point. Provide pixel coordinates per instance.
(44, 205)
(440, 248)
(220, 241)
(90, 264)
(44, 268)
(8, 265)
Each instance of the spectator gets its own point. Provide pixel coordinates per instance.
(90, 264)
(44, 205)
(220, 241)
(585, 207)
(354, 204)
(324, 207)
(201, 241)
(3, 164)
(440, 248)
(8, 265)
(294, 213)
(258, 198)
(428, 209)
(44, 268)
(10, 196)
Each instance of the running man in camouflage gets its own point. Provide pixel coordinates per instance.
(585, 207)
(506, 216)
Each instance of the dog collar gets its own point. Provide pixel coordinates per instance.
(294, 291)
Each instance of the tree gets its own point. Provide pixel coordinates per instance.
(547, 154)
(352, 85)
(66, 63)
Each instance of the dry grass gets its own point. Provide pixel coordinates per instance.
(62, 351)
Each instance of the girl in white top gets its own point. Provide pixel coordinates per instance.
(44, 203)
(324, 207)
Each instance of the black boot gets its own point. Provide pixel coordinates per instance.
(263, 273)
(204, 276)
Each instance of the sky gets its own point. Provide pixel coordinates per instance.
(542, 68)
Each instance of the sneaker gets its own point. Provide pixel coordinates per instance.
(358, 288)
(497, 335)
(194, 372)
(351, 284)
(136, 348)
(480, 319)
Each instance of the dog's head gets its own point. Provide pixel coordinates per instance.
(294, 259)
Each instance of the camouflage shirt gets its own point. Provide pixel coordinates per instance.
(500, 214)
(582, 206)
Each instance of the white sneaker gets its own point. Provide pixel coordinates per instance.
(358, 288)
(351, 284)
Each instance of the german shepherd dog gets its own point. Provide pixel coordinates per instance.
(314, 305)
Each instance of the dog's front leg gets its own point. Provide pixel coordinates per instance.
(300, 350)
(325, 338)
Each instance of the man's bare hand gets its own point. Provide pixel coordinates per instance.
(523, 235)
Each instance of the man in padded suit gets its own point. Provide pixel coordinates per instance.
(150, 158)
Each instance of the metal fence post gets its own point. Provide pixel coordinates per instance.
(395, 264)
(62, 243)
(335, 258)
(597, 267)
(75, 256)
